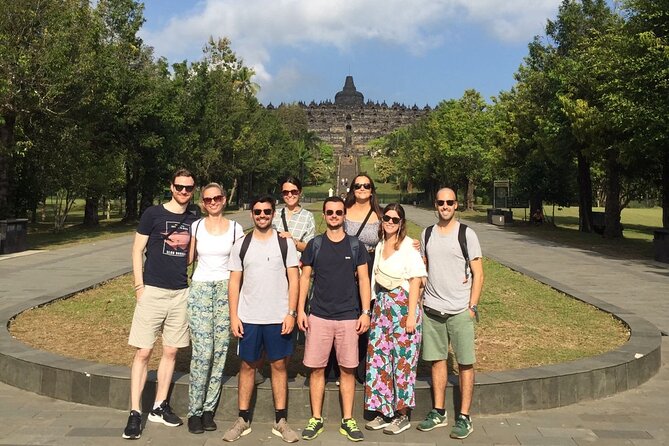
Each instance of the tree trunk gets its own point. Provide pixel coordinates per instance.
(665, 189)
(91, 217)
(6, 145)
(584, 193)
(130, 195)
(231, 198)
(613, 227)
(471, 186)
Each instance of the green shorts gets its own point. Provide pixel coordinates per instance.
(456, 328)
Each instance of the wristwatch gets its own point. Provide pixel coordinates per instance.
(292, 313)
(475, 309)
(367, 312)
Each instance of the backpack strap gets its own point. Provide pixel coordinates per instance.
(245, 247)
(428, 233)
(355, 247)
(462, 239)
(283, 245)
(318, 242)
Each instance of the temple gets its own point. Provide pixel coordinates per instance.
(350, 123)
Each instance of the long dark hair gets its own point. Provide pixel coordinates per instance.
(373, 201)
(402, 231)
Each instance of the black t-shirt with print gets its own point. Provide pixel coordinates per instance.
(166, 259)
(336, 295)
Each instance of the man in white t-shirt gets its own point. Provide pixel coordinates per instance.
(263, 300)
(450, 302)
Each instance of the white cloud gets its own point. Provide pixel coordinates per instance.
(255, 27)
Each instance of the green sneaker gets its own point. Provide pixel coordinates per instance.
(314, 427)
(433, 420)
(463, 427)
(350, 429)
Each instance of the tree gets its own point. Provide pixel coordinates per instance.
(43, 53)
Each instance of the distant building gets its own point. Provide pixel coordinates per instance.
(350, 123)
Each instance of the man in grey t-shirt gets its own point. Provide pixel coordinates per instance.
(450, 306)
(263, 290)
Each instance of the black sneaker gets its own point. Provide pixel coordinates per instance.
(208, 422)
(313, 429)
(195, 425)
(350, 429)
(133, 430)
(164, 414)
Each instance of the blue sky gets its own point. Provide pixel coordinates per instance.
(413, 52)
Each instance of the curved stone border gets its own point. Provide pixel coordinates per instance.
(497, 392)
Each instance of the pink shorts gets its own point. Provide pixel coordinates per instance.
(322, 333)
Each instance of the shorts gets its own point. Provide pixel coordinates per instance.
(322, 334)
(264, 337)
(160, 308)
(456, 328)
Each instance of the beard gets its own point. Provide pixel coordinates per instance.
(337, 226)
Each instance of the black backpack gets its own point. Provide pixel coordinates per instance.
(462, 240)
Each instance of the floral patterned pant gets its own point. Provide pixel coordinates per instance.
(392, 354)
(209, 322)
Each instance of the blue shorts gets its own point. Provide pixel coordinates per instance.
(264, 337)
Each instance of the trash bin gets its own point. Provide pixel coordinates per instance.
(498, 219)
(13, 235)
(661, 245)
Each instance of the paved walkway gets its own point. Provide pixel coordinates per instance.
(635, 417)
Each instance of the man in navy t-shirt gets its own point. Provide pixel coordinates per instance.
(161, 289)
(336, 316)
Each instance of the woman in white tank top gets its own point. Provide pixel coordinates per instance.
(208, 312)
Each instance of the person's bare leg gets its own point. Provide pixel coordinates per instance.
(347, 391)
(316, 391)
(138, 377)
(439, 380)
(279, 383)
(466, 376)
(246, 384)
(165, 372)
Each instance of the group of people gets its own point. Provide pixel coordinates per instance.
(368, 298)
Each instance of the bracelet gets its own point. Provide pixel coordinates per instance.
(141, 285)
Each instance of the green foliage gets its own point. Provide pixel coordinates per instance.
(86, 110)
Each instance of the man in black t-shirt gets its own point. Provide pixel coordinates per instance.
(161, 289)
(335, 314)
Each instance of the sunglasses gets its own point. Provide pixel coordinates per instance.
(262, 211)
(290, 192)
(180, 187)
(388, 219)
(339, 212)
(448, 202)
(215, 199)
(367, 186)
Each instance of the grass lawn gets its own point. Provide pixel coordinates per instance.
(637, 241)
(512, 333)
(42, 236)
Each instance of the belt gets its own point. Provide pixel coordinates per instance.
(437, 313)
